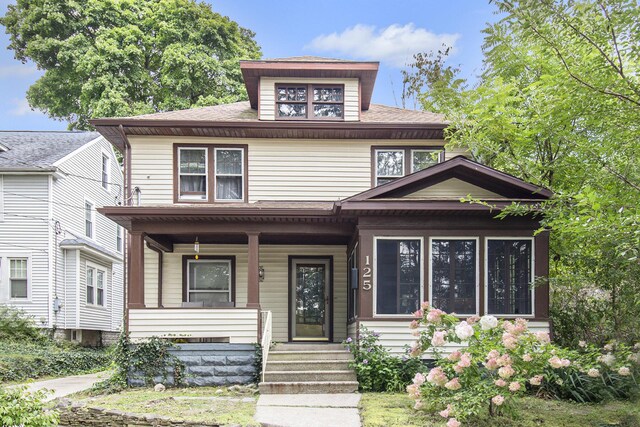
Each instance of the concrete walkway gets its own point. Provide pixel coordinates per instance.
(61, 387)
(308, 410)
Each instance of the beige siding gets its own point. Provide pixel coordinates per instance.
(268, 100)
(452, 189)
(279, 169)
(396, 335)
(273, 291)
(239, 326)
(150, 278)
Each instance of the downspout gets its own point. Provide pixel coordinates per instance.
(125, 249)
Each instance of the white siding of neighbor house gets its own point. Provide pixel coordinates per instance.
(69, 194)
(273, 290)
(68, 316)
(268, 95)
(452, 189)
(396, 335)
(278, 169)
(24, 232)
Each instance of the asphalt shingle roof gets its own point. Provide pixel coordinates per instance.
(39, 149)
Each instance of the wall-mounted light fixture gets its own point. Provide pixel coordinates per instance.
(196, 247)
(261, 273)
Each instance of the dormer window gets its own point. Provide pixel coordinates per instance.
(294, 103)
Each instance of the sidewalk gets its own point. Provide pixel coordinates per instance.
(67, 385)
(308, 410)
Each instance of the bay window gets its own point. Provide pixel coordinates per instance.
(391, 163)
(398, 280)
(509, 273)
(454, 274)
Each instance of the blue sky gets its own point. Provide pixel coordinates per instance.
(386, 31)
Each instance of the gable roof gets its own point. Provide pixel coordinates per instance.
(38, 150)
(460, 168)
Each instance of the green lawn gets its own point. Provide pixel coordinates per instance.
(200, 404)
(396, 410)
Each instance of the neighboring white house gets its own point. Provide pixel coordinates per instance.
(60, 260)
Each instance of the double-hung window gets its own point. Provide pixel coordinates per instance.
(398, 275)
(105, 171)
(229, 164)
(192, 165)
(209, 281)
(100, 287)
(309, 102)
(18, 279)
(91, 288)
(89, 219)
(119, 238)
(393, 163)
(454, 274)
(509, 276)
(96, 279)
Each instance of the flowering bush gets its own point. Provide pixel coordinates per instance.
(376, 368)
(504, 359)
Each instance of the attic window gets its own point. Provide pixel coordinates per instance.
(294, 103)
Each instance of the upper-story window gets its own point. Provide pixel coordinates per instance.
(105, 171)
(393, 163)
(309, 102)
(89, 219)
(208, 173)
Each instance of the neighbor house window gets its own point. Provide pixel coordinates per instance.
(96, 284)
(393, 163)
(509, 276)
(192, 173)
(105, 171)
(209, 281)
(303, 101)
(18, 279)
(398, 277)
(100, 287)
(454, 276)
(91, 288)
(119, 238)
(229, 174)
(89, 219)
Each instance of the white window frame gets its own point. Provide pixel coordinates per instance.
(7, 276)
(119, 236)
(215, 173)
(375, 272)
(430, 269)
(486, 277)
(105, 271)
(93, 219)
(106, 186)
(206, 174)
(210, 261)
(375, 162)
(439, 151)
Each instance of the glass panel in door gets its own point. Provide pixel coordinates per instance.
(310, 309)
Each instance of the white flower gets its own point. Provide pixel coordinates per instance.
(582, 344)
(608, 359)
(593, 373)
(624, 371)
(464, 331)
(488, 322)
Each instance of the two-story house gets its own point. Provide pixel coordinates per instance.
(60, 260)
(318, 208)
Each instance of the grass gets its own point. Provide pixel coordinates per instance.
(396, 410)
(182, 404)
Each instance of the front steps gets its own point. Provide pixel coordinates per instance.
(308, 368)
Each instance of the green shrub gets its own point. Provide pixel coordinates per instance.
(377, 370)
(16, 326)
(19, 407)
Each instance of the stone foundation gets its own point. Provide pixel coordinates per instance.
(210, 365)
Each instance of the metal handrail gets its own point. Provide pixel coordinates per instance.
(266, 338)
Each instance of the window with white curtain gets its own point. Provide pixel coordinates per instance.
(229, 164)
(192, 165)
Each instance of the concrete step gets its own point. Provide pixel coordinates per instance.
(309, 355)
(306, 365)
(308, 387)
(307, 347)
(301, 376)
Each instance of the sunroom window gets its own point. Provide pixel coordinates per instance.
(295, 102)
(454, 275)
(394, 163)
(398, 275)
(510, 276)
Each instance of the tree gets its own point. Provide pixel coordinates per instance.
(558, 104)
(105, 58)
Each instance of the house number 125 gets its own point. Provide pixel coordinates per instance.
(366, 274)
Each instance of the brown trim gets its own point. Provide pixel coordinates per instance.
(253, 270)
(136, 271)
(290, 315)
(160, 261)
(309, 87)
(407, 155)
(200, 308)
(211, 173)
(185, 285)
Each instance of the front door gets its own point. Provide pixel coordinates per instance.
(311, 299)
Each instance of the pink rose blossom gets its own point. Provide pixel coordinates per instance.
(504, 360)
(419, 379)
(453, 423)
(434, 316)
(453, 384)
(491, 364)
(437, 376)
(455, 356)
(446, 412)
(506, 372)
(514, 386)
(500, 382)
(556, 362)
(418, 314)
(509, 341)
(543, 337)
(493, 354)
(498, 400)
(473, 319)
(414, 324)
(458, 369)
(527, 357)
(415, 333)
(536, 380)
(424, 305)
(414, 391)
(465, 360)
(438, 339)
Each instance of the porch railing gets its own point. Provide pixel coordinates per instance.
(266, 338)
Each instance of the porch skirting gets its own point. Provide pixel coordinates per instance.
(216, 364)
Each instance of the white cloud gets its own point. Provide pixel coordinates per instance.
(21, 108)
(395, 44)
(17, 70)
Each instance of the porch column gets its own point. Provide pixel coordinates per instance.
(253, 280)
(135, 289)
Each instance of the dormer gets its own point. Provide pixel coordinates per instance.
(309, 88)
